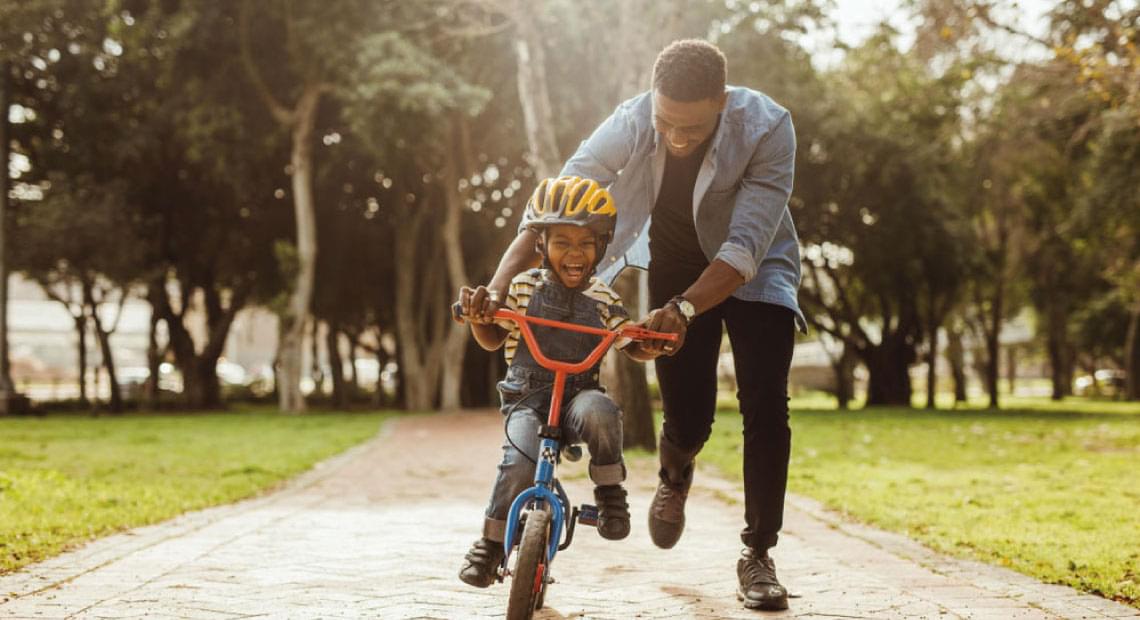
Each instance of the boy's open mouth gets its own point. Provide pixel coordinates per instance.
(574, 270)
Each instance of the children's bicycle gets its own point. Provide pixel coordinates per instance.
(543, 512)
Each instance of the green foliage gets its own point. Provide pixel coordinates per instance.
(67, 480)
(394, 74)
(144, 120)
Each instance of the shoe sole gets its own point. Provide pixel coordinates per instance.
(779, 604)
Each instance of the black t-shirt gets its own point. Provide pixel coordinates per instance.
(674, 250)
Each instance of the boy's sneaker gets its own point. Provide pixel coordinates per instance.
(613, 511)
(481, 565)
(759, 588)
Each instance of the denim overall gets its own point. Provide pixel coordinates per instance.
(588, 415)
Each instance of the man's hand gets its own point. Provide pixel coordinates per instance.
(668, 320)
(479, 304)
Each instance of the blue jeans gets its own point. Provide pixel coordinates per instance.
(589, 417)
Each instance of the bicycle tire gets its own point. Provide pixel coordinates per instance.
(528, 578)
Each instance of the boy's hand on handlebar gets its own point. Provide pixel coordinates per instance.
(664, 320)
(479, 304)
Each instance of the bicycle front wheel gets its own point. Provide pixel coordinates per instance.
(529, 575)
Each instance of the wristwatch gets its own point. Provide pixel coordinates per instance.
(685, 307)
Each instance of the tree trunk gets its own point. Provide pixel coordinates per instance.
(931, 365)
(304, 209)
(1011, 368)
(631, 388)
(956, 356)
(354, 379)
(1132, 355)
(7, 390)
(379, 397)
(455, 343)
(301, 121)
(997, 315)
(336, 367)
(200, 384)
(419, 295)
(153, 364)
(534, 96)
(1055, 344)
(993, 354)
(81, 331)
(844, 369)
(200, 389)
(104, 340)
(887, 364)
(316, 372)
(289, 397)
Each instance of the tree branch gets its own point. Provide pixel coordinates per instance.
(279, 112)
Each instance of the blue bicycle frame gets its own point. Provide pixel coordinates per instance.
(547, 490)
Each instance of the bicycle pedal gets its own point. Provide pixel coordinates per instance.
(588, 515)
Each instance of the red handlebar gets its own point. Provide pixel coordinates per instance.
(561, 369)
(632, 332)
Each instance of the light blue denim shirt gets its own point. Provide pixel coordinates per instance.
(740, 201)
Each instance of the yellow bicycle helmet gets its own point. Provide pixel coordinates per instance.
(574, 201)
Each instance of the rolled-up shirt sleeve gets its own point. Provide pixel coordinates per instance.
(761, 200)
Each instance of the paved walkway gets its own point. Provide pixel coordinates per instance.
(379, 532)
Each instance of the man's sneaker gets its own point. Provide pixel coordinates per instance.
(759, 588)
(613, 511)
(481, 565)
(667, 512)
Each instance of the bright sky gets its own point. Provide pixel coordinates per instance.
(856, 19)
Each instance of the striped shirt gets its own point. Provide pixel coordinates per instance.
(612, 314)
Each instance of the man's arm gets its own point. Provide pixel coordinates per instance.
(480, 305)
(606, 152)
(761, 201)
(760, 205)
(714, 285)
(598, 157)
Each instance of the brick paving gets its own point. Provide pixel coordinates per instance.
(380, 531)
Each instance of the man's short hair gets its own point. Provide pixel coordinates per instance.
(690, 70)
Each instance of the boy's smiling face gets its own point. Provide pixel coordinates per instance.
(572, 251)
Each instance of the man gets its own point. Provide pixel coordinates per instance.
(713, 164)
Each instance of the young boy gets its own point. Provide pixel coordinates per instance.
(575, 220)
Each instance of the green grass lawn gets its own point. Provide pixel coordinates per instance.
(67, 479)
(1052, 493)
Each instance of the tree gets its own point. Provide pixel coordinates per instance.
(79, 245)
(210, 170)
(313, 80)
(426, 169)
(876, 220)
(6, 387)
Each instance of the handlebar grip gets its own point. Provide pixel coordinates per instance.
(457, 312)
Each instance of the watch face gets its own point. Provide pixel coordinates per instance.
(685, 307)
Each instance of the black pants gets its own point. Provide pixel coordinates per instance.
(762, 337)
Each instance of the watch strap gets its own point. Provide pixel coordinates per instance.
(679, 303)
